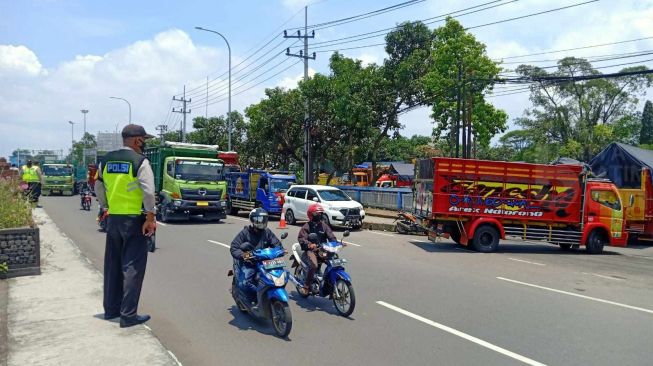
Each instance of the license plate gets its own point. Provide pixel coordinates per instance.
(202, 203)
(337, 262)
(274, 263)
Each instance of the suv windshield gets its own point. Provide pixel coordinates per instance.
(57, 170)
(334, 195)
(199, 170)
(277, 185)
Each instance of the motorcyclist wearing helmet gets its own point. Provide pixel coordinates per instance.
(255, 236)
(317, 226)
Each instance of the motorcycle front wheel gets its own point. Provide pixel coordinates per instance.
(344, 298)
(281, 318)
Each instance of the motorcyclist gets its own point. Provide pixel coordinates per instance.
(255, 236)
(315, 225)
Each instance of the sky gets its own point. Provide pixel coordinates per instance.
(59, 57)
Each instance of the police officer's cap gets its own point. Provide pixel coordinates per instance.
(135, 131)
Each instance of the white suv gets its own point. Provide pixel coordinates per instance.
(340, 210)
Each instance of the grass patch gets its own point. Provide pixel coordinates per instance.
(15, 209)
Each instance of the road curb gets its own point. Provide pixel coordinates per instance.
(378, 226)
(4, 296)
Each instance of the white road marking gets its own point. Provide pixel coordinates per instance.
(378, 233)
(604, 276)
(239, 218)
(161, 223)
(221, 244)
(350, 243)
(174, 357)
(577, 295)
(462, 335)
(529, 262)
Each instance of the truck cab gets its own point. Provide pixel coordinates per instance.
(193, 186)
(258, 188)
(58, 179)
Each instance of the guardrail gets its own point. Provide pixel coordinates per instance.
(385, 198)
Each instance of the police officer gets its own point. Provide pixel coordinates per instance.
(31, 175)
(126, 187)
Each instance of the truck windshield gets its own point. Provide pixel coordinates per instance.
(199, 170)
(277, 185)
(57, 170)
(334, 195)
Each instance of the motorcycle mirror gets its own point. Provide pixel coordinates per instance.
(313, 238)
(284, 235)
(346, 233)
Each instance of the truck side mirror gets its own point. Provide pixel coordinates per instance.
(631, 200)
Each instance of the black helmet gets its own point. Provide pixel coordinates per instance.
(259, 218)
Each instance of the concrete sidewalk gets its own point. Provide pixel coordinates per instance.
(56, 318)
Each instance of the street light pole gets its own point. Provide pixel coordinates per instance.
(229, 127)
(130, 107)
(84, 111)
(72, 140)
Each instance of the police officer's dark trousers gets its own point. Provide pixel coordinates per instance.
(125, 258)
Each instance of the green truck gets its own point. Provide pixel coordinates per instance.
(189, 181)
(58, 178)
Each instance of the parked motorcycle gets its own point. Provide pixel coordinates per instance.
(334, 282)
(407, 223)
(271, 279)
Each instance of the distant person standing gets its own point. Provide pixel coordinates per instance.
(125, 186)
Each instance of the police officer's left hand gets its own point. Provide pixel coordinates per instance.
(149, 227)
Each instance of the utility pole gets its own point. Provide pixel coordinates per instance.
(308, 163)
(84, 112)
(72, 140)
(162, 131)
(458, 97)
(183, 110)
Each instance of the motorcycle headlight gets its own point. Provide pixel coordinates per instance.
(278, 281)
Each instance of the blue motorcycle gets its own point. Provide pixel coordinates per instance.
(271, 279)
(334, 282)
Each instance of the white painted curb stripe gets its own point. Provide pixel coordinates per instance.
(462, 335)
(350, 243)
(217, 242)
(161, 223)
(577, 295)
(529, 262)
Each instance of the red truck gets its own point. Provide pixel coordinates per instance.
(479, 202)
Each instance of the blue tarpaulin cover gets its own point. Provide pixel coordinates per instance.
(622, 164)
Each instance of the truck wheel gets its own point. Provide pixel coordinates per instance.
(486, 239)
(290, 217)
(595, 242)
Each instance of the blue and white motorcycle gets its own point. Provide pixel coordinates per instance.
(271, 279)
(334, 282)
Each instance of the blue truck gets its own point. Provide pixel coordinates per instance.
(257, 188)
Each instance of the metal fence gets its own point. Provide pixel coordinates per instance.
(384, 198)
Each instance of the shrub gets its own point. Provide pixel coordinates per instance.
(15, 209)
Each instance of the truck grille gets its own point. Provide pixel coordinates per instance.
(201, 194)
(350, 212)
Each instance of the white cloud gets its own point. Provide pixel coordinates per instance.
(19, 60)
(147, 73)
(292, 82)
(367, 58)
(295, 4)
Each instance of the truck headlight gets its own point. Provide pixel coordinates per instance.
(176, 203)
(223, 203)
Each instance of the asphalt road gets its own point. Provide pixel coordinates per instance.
(418, 303)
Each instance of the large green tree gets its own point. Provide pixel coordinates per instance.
(578, 118)
(646, 134)
(77, 153)
(215, 131)
(459, 76)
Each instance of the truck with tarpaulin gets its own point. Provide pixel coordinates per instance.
(58, 178)
(478, 202)
(258, 188)
(630, 167)
(189, 181)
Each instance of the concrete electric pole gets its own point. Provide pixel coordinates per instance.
(308, 163)
(84, 112)
(183, 110)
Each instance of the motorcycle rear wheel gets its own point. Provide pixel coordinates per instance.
(235, 296)
(300, 274)
(346, 301)
(281, 318)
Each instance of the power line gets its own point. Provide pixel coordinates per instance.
(595, 61)
(594, 58)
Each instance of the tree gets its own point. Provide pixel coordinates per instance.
(646, 134)
(215, 131)
(578, 118)
(460, 74)
(88, 141)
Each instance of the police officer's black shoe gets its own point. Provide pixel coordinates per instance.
(134, 320)
(109, 316)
